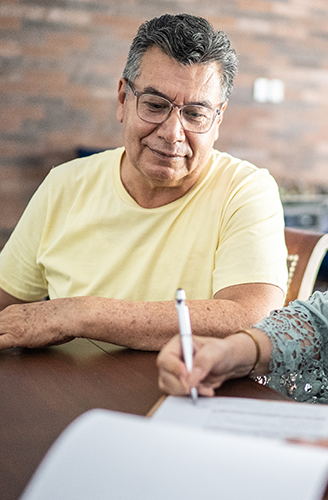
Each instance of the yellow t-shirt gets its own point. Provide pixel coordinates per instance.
(82, 234)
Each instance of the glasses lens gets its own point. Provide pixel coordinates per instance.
(155, 109)
(197, 118)
(152, 108)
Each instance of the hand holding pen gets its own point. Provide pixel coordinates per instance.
(185, 334)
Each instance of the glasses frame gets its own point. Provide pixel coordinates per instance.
(216, 112)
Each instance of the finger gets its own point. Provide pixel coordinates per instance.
(203, 363)
(6, 341)
(171, 384)
(320, 442)
(172, 370)
(172, 364)
(204, 390)
(170, 356)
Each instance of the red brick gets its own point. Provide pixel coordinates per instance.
(72, 59)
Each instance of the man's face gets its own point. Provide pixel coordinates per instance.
(165, 155)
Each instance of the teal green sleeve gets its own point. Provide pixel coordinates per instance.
(299, 337)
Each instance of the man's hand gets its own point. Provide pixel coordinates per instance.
(32, 325)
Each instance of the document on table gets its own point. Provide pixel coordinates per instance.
(108, 455)
(270, 419)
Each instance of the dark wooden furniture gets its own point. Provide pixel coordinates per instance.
(306, 251)
(42, 391)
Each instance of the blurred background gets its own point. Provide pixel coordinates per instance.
(60, 62)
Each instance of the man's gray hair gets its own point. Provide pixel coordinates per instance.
(189, 40)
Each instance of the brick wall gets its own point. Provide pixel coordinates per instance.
(60, 61)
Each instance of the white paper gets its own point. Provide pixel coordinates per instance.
(105, 455)
(270, 419)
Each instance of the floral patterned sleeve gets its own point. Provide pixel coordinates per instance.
(299, 337)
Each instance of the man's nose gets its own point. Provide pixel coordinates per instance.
(172, 130)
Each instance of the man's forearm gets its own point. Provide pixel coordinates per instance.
(149, 325)
(134, 324)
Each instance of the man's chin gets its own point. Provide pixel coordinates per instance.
(165, 176)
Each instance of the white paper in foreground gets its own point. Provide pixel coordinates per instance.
(105, 455)
(272, 419)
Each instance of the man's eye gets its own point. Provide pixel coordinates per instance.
(196, 114)
(156, 106)
(153, 104)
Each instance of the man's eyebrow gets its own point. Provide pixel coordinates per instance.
(152, 90)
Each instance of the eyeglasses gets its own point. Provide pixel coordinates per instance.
(152, 108)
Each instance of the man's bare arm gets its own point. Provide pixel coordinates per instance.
(139, 325)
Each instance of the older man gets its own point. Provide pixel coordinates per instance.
(109, 238)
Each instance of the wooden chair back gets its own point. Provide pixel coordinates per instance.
(306, 251)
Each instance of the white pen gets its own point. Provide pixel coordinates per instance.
(185, 334)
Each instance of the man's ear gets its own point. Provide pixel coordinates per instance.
(121, 96)
(217, 125)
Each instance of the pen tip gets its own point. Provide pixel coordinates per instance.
(194, 395)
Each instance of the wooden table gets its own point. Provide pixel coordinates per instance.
(42, 391)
